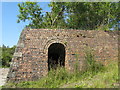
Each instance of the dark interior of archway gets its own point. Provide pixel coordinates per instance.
(56, 55)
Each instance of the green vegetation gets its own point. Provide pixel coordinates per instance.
(92, 65)
(105, 79)
(84, 15)
(32, 12)
(6, 55)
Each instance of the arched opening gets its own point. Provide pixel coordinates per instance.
(56, 55)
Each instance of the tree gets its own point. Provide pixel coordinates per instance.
(57, 15)
(75, 15)
(7, 54)
(31, 12)
(92, 15)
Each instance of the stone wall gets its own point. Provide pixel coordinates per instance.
(30, 60)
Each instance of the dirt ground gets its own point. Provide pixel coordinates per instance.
(3, 75)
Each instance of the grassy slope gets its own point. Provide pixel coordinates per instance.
(104, 78)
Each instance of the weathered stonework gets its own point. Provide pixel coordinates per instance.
(30, 60)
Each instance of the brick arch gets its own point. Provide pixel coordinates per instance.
(52, 41)
(47, 45)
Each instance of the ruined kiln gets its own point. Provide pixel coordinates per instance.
(39, 49)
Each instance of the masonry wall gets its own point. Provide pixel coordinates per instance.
(30, 60)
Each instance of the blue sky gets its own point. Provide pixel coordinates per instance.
(10, 29)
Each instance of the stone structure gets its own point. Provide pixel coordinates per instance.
(39, 49)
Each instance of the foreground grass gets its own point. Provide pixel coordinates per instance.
(104, 77)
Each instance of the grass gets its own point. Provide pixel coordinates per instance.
(106, 77)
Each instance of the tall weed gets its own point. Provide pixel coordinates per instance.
(92, 65)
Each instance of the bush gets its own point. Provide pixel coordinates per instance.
(6, 55)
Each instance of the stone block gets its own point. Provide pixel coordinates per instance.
(17, 54)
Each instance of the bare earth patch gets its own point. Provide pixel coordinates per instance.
(3, 75)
